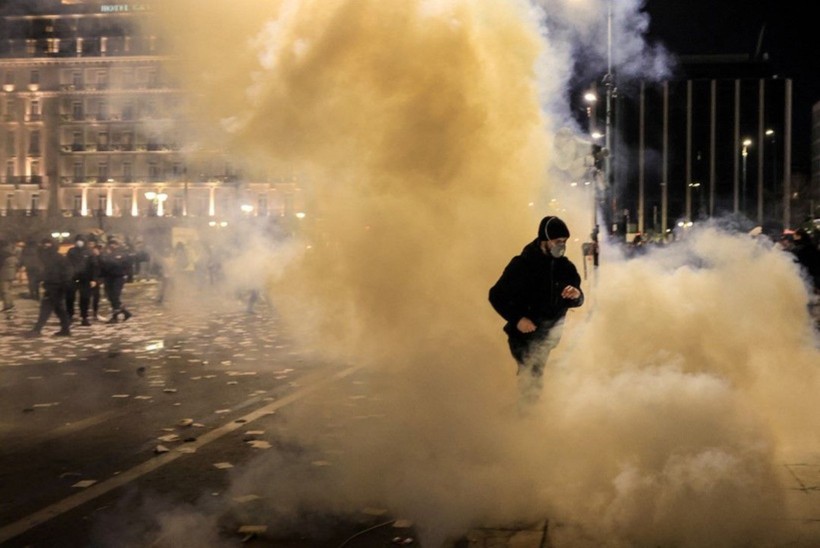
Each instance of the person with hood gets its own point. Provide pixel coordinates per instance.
(533, 295)
(57, 278)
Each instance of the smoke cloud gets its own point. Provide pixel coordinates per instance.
(421, 131)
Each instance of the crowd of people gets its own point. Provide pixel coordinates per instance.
(70, 279)
(90, 268)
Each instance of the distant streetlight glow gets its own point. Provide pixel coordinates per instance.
(158, 199)
(744, 153)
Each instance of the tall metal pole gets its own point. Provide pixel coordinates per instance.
(688, 170)
(712, 144)
(744, 152)
(761, 106)
(787, 157)
(665, 162)
(736, 147)
(608, 83)
(641, 159)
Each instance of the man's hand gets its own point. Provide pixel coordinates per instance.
(525, 325)
(570, 292)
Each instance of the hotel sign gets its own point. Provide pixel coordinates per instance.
(122, 8)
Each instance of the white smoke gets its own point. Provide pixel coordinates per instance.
(426, 127)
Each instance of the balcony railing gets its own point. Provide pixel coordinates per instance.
(22, 180)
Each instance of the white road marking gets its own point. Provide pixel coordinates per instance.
(98, 489)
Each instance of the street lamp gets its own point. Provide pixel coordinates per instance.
(770, 133)
(591, 98)
(744, 153)
(157, 199)
(695, 186)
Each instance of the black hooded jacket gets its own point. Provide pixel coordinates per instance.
(531, 286)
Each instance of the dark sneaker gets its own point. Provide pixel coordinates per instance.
(85, 322)
(126, 315)
(113, 319)
(33, 333)
(63, 333)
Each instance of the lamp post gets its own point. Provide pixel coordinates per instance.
(591, 98)
(770, 133)
(157, 200)
(744, 152)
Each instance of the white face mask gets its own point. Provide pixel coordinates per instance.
(79, 243)
(557, 250)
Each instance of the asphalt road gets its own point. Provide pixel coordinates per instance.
(105, 430)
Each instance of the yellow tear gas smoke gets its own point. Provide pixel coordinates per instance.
(416, 130)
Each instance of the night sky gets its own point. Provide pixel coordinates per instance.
(782, 30)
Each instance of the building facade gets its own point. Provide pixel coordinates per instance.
(91, 127)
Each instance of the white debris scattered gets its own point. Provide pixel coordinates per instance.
(186, 422)
(223, 465)
(252, 529)
(84, 483)
(242, 499)
(259, 444)
(160, 449)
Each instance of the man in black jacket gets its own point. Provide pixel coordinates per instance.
(533, 295)
(56, 279)
(116, 266)
(86, 272)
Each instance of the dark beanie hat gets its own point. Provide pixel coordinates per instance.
(552, 228)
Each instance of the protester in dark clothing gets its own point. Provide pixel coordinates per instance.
(806, 253)
(116, 266)
(30, 260)
(95, 252)
(8, 273)
(56, 280)
(86, 272)
(533, 295)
